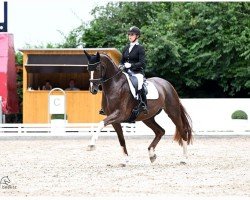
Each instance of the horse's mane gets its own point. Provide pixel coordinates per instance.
(106, 56)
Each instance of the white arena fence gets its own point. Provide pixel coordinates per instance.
(67, 129)
(209, 117)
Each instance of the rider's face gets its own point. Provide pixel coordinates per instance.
(132, 37)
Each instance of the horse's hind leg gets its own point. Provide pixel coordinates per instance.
(180, 136)
(159, 132)
(119, 131)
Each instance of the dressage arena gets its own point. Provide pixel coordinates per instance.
(218, 166)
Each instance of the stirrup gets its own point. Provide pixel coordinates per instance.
(144, 109)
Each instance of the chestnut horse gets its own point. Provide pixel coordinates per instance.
(118, 104)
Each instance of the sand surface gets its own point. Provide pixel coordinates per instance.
(217, 166)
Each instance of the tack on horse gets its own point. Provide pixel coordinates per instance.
(118, 104)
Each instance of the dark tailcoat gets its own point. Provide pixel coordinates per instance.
(136, 57)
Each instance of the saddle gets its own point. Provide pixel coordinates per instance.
(149, 89)
(133, 80)
(148, 86)
(137, 110)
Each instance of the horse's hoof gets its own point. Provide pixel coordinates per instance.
(152, 158)
(91, 148)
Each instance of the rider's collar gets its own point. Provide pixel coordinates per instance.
(134, 43)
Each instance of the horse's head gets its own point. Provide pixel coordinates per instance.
(95, 70)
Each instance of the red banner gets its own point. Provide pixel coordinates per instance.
(8, 83)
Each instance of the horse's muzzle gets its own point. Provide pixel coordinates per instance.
(93, 90)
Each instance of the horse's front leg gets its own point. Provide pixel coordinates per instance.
(108, 120)
(94, 137)
(119, 131)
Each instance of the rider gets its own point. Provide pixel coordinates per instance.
(133, 59)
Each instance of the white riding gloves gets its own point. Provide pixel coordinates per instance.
(127, 65)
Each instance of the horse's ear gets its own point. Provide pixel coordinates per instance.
(98, 56)
(88, 56)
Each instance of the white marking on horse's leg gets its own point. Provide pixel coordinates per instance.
(185, 149)
(185, 159)
(152, 155)
(151, 152)
(124, 159)
(95, 135)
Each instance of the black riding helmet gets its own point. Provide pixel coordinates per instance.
(134, 30)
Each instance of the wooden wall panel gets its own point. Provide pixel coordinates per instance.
(36, 107)
(82, 107)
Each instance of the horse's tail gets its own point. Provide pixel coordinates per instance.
(186, 134)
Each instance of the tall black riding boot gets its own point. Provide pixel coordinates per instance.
(144, 104)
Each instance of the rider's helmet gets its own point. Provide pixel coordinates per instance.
(134, 30)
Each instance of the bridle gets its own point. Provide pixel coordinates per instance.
(93, 67)
(98, 81)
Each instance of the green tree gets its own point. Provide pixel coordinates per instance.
(201, 48)
(216, 43)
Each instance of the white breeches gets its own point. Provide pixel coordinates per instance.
(140, 80)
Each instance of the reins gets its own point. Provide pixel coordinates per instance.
(102, 80)
(106, 80)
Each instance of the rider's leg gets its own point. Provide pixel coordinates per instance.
(141, 92)
(144, 104)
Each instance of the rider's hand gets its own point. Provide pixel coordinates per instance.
(127, 65)
(121, 67)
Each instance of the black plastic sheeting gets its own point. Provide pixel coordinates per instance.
(56, 64)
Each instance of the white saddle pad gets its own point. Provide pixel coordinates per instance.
(152, 91)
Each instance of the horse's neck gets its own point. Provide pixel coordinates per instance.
(111, 72)
(116, 79)
(111, 68)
